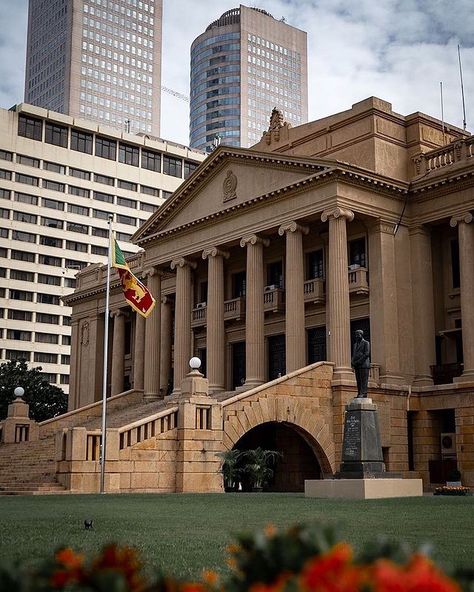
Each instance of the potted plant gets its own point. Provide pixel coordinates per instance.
(231, 468)
(258, 466)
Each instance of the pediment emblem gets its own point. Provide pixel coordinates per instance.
(229, 186)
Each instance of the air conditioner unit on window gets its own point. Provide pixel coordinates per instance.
(201, 305)
(269, 288)
(448, 445)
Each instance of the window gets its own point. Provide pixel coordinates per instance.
(150, 190)
(46, 338)
(49, 241)
(48, 377)
(78, 173)
(127, 203)
(357, 252)
(23, 256)
(45, 358)
(105, 148)
(19, 315)
(81, 141)
(75, 264)
(5, 214)
(65, 359)
(27, 161)
(5, 155)
(95, 250)
(25, 217)
(151, 161)
(56, 134)
(30, 127)
(49, 260)
(66, 321)
(104, 180)
(16, 355)
(3, 232)
(4, 193)
(26, 237)
(81, 228)
(54, 167)
(52, 280)
(27, 179)
(50, 319)
(3, 252)
(101, 214)
(19, 335)
(23, 276)
(129, 154)
(51, 222)
(25, 198)
(64, 378)
(127, 185)
(172, 166)
(123, 236)
(315, 265)
(148, 207)
(103, 197)
(275, 274)
(66, 340)
(239, 284)
(102, 232)
(76, 246)
(166, 194)
(189, 167)
(81, 210)
(53, 185)
(52, 204)
(21, 295)
(48, 299)
(121, 219)
(7, 175)
(78, 191)
(69, 283)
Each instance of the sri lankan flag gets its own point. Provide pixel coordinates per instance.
(136, 294)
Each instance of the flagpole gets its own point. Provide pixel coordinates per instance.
(103, 444)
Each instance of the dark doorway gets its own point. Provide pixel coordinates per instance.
(276, 356)
(316, 345)
(298, 461)
(275, 274)
(238, 364)
(202, 355)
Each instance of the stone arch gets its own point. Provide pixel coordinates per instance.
(308, 420)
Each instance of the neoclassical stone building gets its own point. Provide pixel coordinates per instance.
(265, 261)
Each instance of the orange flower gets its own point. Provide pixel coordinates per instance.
(270, 530)
(69, 559)
(124, 560)
(332, 572)
(210, 577)
(71, 568)
(277, 586)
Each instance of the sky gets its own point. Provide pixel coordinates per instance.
(397, 50)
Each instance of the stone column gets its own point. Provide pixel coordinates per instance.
(295, 335)
(151, 379)
(118, 352)
(139, 352)
(338, 305)
(254, 313)
(423, 304)
(383, 301)
(182, 320)
(166, 341)
(215, 337)
(466, 258)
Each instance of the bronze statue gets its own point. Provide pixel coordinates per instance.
(361, 363)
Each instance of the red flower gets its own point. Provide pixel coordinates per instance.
(332, 572)
(124, 560)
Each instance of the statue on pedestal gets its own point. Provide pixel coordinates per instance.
(361, 363)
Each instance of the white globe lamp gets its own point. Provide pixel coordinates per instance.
(194, 363)
(19, 392)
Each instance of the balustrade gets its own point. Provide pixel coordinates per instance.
(455, 152)
(234, 310)
(314, 291)
(358, 281)
(274, 300)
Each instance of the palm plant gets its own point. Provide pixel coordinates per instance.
(231, 468)
(257, 465)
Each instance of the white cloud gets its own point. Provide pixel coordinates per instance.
(398, 50)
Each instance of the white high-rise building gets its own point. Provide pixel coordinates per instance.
(60, 178)
(98, 60)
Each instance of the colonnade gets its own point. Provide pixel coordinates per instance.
(152, 359)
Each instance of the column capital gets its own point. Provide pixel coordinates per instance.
(465, 217)
(337, 212)
(382, 226)
(118, 313)
(215, 252)
(166, 299)
(253, 239)
(151, 271)
(292, 226)
(182, 262)
(419, 229)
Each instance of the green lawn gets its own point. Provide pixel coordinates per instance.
(185, 533)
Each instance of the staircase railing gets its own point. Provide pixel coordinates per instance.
(149, 427)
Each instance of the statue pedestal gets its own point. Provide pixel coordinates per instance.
(362, 474)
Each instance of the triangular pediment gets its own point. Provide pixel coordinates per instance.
(227, 178)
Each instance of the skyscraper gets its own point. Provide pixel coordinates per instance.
(243, 65)
(96, 60)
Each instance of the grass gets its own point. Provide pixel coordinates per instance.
(185, 533)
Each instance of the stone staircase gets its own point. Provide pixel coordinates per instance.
(28, 468)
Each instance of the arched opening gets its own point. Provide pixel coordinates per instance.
(299, 457)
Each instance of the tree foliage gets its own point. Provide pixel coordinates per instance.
(45, 400)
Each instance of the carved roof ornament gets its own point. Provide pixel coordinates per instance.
(229, 186)
(276, 120)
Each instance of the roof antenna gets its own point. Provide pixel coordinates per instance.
(462, 90)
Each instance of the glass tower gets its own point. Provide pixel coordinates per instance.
(243, 65)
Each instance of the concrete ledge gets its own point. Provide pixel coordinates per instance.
(363, 488)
